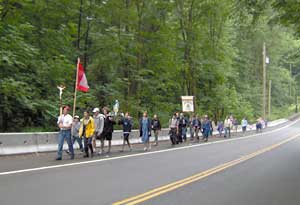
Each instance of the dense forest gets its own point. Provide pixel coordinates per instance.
(146, 54)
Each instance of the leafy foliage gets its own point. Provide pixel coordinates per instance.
(146, 54)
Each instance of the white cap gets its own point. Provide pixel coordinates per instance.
(96, 110)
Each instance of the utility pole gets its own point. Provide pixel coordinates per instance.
(296, 97)
(264, 82)
(290, 80)
(79, 25)
(269, 106)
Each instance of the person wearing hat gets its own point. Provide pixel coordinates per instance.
(64, 123)
(87, 130)
(99, 125)
(75, 132)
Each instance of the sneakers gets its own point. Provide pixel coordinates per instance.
(58, 158)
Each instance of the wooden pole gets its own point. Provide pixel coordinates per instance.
(75, 89)
(269, 106)
(264, 82)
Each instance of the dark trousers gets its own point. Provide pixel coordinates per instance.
(88, 145)
(173, 135)
(179, 136)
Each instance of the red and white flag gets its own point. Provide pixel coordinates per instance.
(81, 83)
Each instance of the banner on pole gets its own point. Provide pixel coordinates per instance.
(82, 83)
(187, 103)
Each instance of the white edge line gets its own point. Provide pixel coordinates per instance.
(141, 154)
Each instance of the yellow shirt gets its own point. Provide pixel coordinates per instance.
(89, 129)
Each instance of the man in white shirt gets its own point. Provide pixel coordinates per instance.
(64, 122)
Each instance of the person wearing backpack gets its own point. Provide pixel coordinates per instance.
(156, 127)
(126, 123)
(99, 125)
(173, 125)
(108, 128)
(196, 126)
(182, 126)
(206, 128)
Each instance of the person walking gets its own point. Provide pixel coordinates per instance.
(145, 131)
(196, 126)
(220, 128)
(75, 132)
(87, 130)
(156, 127)
(64, 123)
(191, 127)
(173, 125)
(108, 129)
(244, 124)
(227, 127)
(182, 126)
(235, 123)
(126, 123)
(99, 125)
(259, 124)
(206, 127)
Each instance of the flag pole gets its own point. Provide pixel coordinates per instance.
(75, 90)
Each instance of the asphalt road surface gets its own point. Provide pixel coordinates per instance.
(259, 169)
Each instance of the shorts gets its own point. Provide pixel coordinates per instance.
(126, 136)
(107, 136)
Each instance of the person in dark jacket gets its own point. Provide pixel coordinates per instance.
(182, 126)
(206, 128)
(197, 126)
(156, 127)
(145, 131)
(126, 123)
(108, 127)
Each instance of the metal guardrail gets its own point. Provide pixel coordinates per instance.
(35, 142)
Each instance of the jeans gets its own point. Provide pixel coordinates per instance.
(244, 128)
(64, 134)
(192, 133)
(227, 131)
(87, 145)
(78, 140)
(184, 133)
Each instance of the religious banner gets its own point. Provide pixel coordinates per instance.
(187, 103)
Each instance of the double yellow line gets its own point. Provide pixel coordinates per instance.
(175, 185)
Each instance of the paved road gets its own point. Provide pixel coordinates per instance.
(271, 177)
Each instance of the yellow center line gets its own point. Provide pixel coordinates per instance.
(175, 185)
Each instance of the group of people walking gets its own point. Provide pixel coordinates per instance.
(100, 126)
(89, 128)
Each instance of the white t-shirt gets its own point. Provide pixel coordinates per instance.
(66, 121)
